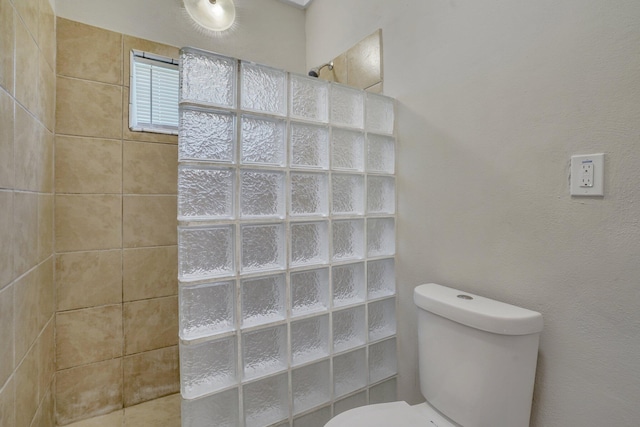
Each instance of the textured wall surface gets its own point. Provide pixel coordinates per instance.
(494, 98)
(27, 102)
(266, 31)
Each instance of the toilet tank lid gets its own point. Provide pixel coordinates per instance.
(476, 311)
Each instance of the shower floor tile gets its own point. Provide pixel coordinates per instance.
(162, 412)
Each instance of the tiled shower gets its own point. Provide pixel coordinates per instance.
(286, 243)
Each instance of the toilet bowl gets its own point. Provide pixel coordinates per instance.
(477, 363)
(394, 414)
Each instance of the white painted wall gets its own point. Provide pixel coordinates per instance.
(266, 31)
(494, 97)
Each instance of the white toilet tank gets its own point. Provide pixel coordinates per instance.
(477, 357)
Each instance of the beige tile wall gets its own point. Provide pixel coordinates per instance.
(27, 294)
(115, 233)
(360, 66)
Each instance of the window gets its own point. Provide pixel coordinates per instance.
(153, 104)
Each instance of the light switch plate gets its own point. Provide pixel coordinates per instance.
(587, 175)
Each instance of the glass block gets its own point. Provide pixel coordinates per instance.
(381, 237)
(349, 372)
(262, 194)
(381, 154)
(263, 300)
(263, 247)
(309, 194)
(206, 135)
(350, 402)
(266, 401)
(207, 309)
(384, 392)
(381, 278)
(381, 194)
(348, 194)
(205, 193)
(382, 360)
(309, 291)
(309, 146)
(264, 351)
(349, 328)
(309, 339)
(263, 141)
(311, 386)
(207, 367)
(314, 419)
(220, 409)
(309, 98)
(207, 78)
(380, 114)
(309, 243)
(382, 319)
(263, 89)
(205, 252)
(348, 284)
(348, 239)
(347, 106)
(347, 149)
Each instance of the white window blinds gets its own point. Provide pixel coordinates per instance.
(153, 105)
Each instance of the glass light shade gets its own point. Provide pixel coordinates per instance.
(216, 15)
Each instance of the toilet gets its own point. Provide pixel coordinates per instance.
(477, 364)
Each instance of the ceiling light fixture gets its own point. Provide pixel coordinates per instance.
(215, 15)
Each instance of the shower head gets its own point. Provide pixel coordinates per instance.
(315, 72)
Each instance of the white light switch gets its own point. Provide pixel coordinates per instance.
(587, 175)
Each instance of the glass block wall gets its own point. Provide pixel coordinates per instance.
(286, 205)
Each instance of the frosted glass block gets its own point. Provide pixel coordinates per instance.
(311, 386)
(263, 89)
(264, 351)
(309, 291)
(384, 392)
(206, 135)
(350, 402)
(348, 284)
(382, 319)
(263, 141)
(382, 360)
(309, 339)
(207, 78)
(381, 194)
(262, 194)
(349, 328)
(263, 300)
(347, 149)
(347, 194)
(381, 154)
(309, 98)
(309, 243)
(205, 193)
(379, 114)
(207, 309)
(381, 278)
(349, 372)
(207, 367)
(309, 194)
(314, 419)
(205, 252)
(348, 239)
(220, 410)
(309, 146)
(381, 237)
(347, 106)
(266, 401)
(263, 247)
